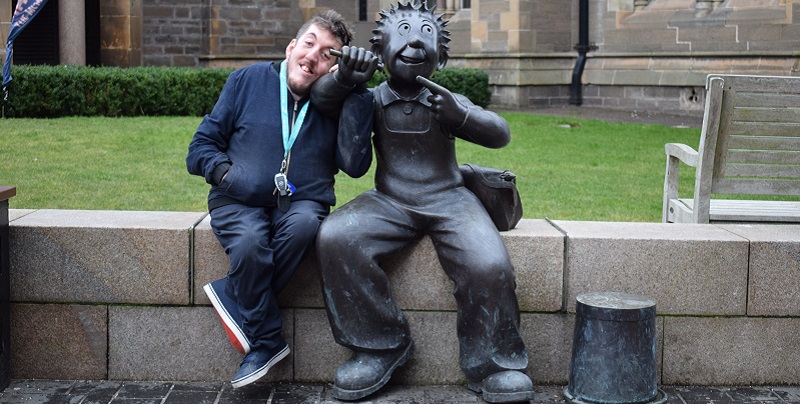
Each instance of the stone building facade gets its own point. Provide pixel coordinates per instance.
(641, 54)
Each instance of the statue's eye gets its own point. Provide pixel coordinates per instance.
(404, 28)
(427, 30)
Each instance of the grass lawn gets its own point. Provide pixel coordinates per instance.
(567, 168)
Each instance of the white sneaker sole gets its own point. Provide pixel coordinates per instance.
(261, 372)
(235, 334)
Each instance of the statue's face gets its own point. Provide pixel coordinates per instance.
(410, 47)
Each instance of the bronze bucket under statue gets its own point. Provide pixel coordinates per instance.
(614, 350)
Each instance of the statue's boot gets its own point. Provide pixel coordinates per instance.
(504, 387)
(366, 372)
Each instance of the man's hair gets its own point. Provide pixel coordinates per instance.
(387, 17)
(332, 22)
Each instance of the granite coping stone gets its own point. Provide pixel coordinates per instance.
(686, 269)
(165, 258)
(113, 219)
(417, 279)
(101, 256)
(773, 287)
(14, 214)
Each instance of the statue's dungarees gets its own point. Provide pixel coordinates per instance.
(419, 191)
(416, 155)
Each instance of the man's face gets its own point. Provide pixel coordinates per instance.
(410, 47)
(308, 58)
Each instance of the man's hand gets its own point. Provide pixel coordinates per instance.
(444, 105)
(356, 65)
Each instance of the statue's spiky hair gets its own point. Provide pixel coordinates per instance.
(411, 5)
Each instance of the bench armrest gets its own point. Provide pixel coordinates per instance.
(676, 153)
(682, 152)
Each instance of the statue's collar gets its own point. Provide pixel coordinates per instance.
(388, 95)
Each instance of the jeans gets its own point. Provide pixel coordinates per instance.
(265, 247)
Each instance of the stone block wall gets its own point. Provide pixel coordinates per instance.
(646, 55)
(97, 294)
(652, 55)
(122, 33)
(224, 33)
(174, 32)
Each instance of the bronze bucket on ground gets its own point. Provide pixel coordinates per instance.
(614, 350)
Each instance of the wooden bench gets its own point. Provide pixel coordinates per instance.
(749, 145)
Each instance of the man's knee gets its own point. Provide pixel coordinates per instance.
(304, 228)
(246, 242)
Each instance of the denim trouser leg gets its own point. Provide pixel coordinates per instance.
(265, 246)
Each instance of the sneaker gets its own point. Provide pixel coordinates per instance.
(256, 364)
(228, 312)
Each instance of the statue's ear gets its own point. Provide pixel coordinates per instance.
(376, 50)
(442, 60)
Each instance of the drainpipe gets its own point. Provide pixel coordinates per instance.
(582, 47)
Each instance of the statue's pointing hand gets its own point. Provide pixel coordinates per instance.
(356, 65)
(444, 105)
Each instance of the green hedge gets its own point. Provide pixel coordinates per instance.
(471, 83)
(54, 91)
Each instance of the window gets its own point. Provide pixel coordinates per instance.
(362, 10)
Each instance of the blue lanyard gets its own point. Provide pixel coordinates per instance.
(289, 137)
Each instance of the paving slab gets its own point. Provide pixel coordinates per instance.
(140, 392)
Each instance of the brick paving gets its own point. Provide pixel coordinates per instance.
(129, 392)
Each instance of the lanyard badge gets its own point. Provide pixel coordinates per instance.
(289, 133)
(282, 185)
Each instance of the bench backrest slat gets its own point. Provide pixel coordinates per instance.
(763, 171)
(777, 143)
(756, 149)
(761, 156)
(760, 187)
(761, 129)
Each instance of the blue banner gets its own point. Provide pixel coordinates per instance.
(23, 14)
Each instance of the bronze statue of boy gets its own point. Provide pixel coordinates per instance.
(418, 191)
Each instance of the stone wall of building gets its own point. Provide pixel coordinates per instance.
(223, 33)
(174, 32)
(121, 33)
(646, 54)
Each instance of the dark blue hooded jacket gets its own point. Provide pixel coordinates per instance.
(242, 137)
